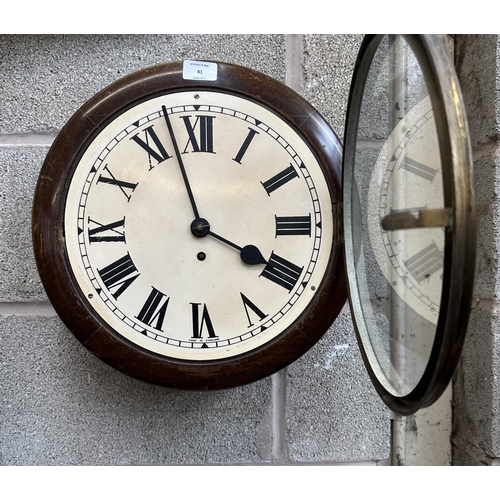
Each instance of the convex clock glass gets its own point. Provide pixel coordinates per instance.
(409, 216)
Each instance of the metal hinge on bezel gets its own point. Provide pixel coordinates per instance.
(338, 223)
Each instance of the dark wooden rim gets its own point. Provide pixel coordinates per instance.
(60, 284)
(460, 240)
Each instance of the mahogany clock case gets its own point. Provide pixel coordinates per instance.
(49, 237)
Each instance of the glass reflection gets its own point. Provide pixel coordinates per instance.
(397, 168)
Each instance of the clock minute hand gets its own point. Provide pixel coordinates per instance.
(181, 164)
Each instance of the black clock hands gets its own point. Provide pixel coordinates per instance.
(181, 164)
(249, 254)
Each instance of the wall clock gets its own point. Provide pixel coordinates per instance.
(184, 225)
(188, 222)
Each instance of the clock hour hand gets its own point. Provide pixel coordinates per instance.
(249, 254)
(181, 164)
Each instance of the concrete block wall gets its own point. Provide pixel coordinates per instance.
(476, 436)
(60, 405)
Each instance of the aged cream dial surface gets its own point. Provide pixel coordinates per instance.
(179, 283)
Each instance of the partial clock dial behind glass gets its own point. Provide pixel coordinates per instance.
(409, 221)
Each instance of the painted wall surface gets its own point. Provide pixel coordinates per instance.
(60, 405)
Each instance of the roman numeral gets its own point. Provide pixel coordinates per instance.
(110, 231)
(424, 263)
(159, 154)
(121, 273)
(244, 146)
(279, 179)
(248, 304)
(204, 142)
(123, 185)
(293, 225)
(154, 309)
(282, 272)
(205, 321)
(418, 168)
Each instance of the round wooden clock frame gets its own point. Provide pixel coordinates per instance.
(70, 302)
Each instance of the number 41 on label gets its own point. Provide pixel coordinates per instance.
(199, 70)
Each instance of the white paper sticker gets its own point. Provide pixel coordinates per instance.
(199, 70)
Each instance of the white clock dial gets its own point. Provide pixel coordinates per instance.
(129, 217)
